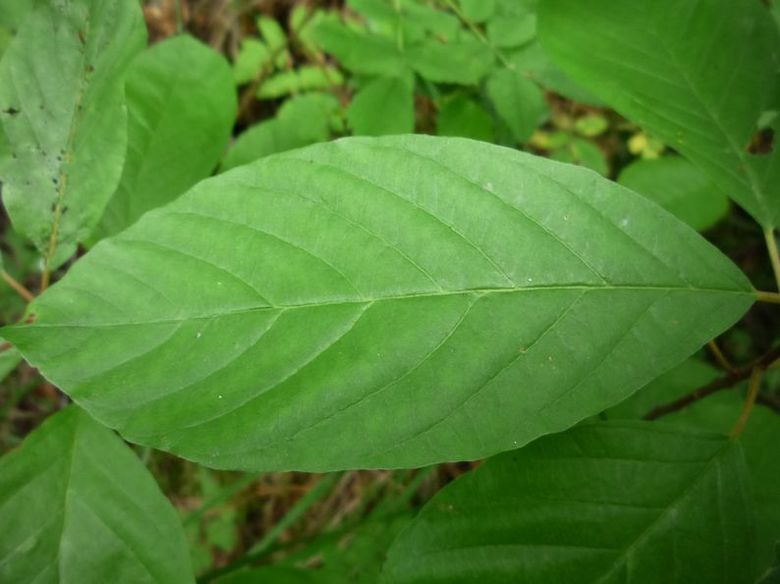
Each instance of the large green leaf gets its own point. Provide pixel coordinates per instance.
(182, 105)
(78, 506)
(62, 110)
(696, 74)
(620, 502)
(718, 413)
(379, 302)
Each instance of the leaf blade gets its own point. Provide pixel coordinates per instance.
(379, 285)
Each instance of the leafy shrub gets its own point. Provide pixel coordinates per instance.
(393, 301)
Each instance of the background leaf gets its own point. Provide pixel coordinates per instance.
(301, 121)
(401, 300)
(84, 509)
(182, 105)
(603, 503)
(679, 187)
(518, 101)
(463, 116)
(685, 73)
(63, 113)
(718, 413)
(383, 106)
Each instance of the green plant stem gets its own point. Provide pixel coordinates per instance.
(17, 286)
(178, 16)
(478, 33)
(257, 551)
(771, 297)
(720, 357)
(774, 256)
(750, 401)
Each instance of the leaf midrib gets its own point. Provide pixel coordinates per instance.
(369, 301)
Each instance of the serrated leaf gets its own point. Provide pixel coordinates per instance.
(601, 503)
(378, 303)
(463, 116)
(383, 106)
(519, 102)
(301, 121)
(84, 509)
(62, 111)
(679, 187)
(697, 75)
(182, 105)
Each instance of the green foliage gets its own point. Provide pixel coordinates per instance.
(600, 503)
(80, 507)
(696, 80)
(389, 301)
(238, 308)
(679, 187)
(63, 113)
(181, 103)
(383, 106)
(301, 121)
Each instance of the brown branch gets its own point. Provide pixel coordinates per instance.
(19, 288)
(729, 380)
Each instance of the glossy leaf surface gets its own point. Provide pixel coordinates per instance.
(78, 506)
(379, 302)
(605, 503)
(62, 110)
(698, 75)
(182, 105)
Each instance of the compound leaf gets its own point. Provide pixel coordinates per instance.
(698, 75)
(605, 503)
(377, 302)
(80, 507)
(182, 104)
(63, 112)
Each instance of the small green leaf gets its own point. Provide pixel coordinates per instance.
(462, 116)
(305, 78)
(478, 11)
(359, 51)
(62, 110)
(84, 509)
(465, 62)
(513, 25)
(252, 58)
(679, 187)
(301, 121)
(518, 101)
(379, 302)
(698, 75)
(618, 502)
(582, 153)
(591, 125)
(383, 106)
(182, 105)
